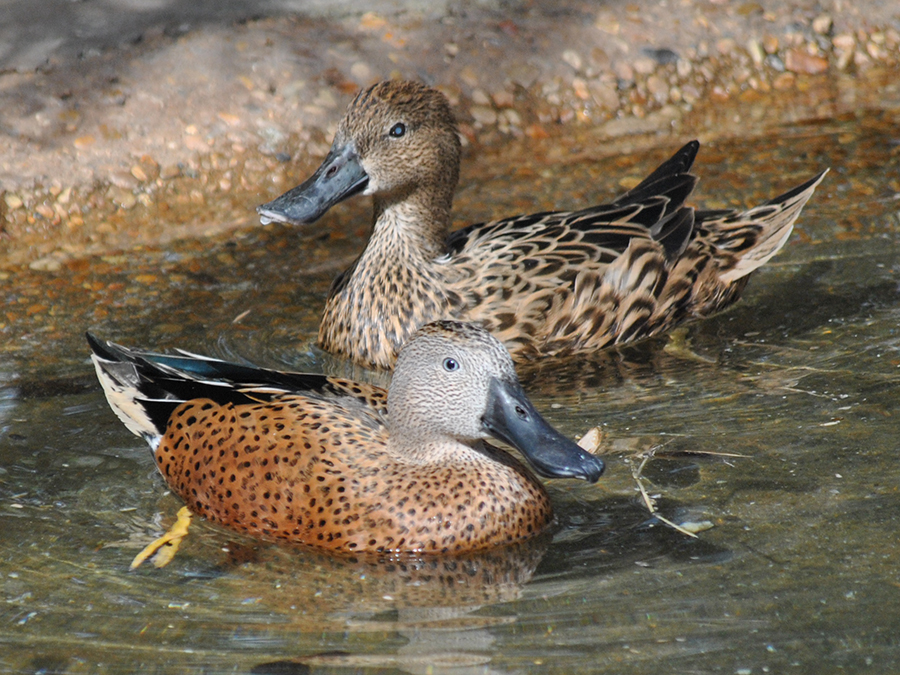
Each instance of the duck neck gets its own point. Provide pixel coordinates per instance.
(393, 287)
(418, 222)
(417, 452)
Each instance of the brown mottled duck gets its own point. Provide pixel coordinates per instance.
(546, 284)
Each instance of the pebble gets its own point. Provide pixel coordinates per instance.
(822, 24)
(644, 65)
(572, 58)
(775, 63)
(13, 201)
(799, 61)
(361, 71)
(122, 197)
(46, 264)
(757, 53)
(844, 41)
(726, 46)
(480, 98)
(606, 96)
(229, 119)
(503, 99)
(196, 143)
(511, 117)
(658, 88)
(139, 173)
(45, 211)
(580, 88)
(170, 171)
(784, 82)
(623, 71)
(483, 114)
(123, 179)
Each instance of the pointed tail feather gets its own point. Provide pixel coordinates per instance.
(124, 388)
(754, 236)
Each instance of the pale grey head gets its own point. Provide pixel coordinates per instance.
(455, 382)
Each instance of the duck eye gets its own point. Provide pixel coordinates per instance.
(397, 130)
(450, 365)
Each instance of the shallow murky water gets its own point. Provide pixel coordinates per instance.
(776, 422)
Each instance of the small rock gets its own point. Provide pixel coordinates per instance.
(480, 98)
(644, 65)
(606, 96)
(325, 99)
(572, 57)
(843, 58)
(170, 171)
(84, 141)
(150, 167)
(503, 99)
(229, 119)
(726, 46)
(46, 264)
(658, 88)
(757, 53)
(372, 21)
(536, 131)
(822, 24)
(784, 82)
(662, 56)
(45, 211)
(469, 76)
(139, 173)
(511, 117)
(683, 67)
(123, 179)
(775, 63)
(623, 72)
(799, 61)
(876, 51)
(122, 197)
(483, 114)
(13, 201)
(844, 41)
(196, 143)
(361, 71)
(581, 90)
(770, 44)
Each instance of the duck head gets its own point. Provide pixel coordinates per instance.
(396, 138)
(455, 383)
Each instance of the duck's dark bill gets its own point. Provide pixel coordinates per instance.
(339, 177)
(510, 417)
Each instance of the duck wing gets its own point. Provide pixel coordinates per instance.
(144, 388)
(558, 282)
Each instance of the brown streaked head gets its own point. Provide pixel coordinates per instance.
(395, 138)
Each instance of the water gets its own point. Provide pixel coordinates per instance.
(775, 422)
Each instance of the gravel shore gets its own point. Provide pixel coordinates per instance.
(181, 130)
